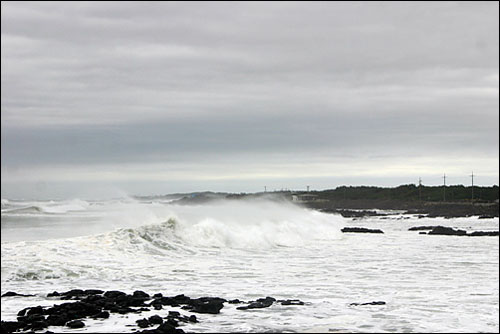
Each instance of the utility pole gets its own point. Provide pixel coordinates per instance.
(444, 187)
(472, 176)
(420, 189)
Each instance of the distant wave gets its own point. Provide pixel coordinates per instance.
(50, 207)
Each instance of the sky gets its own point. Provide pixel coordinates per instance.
(105, 98)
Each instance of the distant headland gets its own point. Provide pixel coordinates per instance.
(446, 201)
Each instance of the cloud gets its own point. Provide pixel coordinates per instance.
(104, 84)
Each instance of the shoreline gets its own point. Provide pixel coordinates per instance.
(351, 208)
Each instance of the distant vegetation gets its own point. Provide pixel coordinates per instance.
(411, 192)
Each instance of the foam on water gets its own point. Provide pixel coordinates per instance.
(248, 250)
(187, 230)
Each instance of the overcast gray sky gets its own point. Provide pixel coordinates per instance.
(151, 98)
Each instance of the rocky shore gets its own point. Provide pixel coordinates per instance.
(98, 304)
(358, 208)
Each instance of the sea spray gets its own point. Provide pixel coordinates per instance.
(151, 234)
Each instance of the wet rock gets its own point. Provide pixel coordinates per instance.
(11, 326)
(442, 230)
(166, 328)
(34, 317)
(113, 294)
(39, 325)
(291, 302)
(172, 322)
(259, 303)
(356, 213)
(422, 232)
(73, 294)
(93, 292)
(174, 314)
(360, 230)
(370, 303)
(102, 315)
(140, 294)
(35, 310)
(486, 216)
(421, 228)
(143, 323)
(54, 294)
(75, 324)
(155, 319)
(14, 294)
(192, 318)
(57, 319)
(207, 305)
(235, 301)
(483, 233)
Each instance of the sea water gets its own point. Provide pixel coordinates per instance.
(249, 250)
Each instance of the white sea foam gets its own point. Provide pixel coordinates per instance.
(247, 250)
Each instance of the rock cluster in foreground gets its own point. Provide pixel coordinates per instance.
(97, 304)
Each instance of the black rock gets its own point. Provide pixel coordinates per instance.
(370, 303)
(360, 230)
(75, 324)
(155, 319)
(442, 230)
(93, 292)
(211, 305)
(35, 310)
(54, 294)
(422, 232)
(235, 301)
(259, 303)
(11, 326)
(34, 318)
(166, 328)
(483, 233)
(113, 294)
(102, 315)
(172, 322)
(75, 293)
(13, 294)
(57, 320)
(143, 323)
(174, 314)
(39, 325)
(192, 318)
(140, 294)
(292, 302)
(421, 228)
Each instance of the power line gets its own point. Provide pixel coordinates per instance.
(420, 189)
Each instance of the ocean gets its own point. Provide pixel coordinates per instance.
(248, 250)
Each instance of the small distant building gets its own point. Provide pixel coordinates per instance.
(300, 198)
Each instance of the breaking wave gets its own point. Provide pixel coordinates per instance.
(185, 230)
